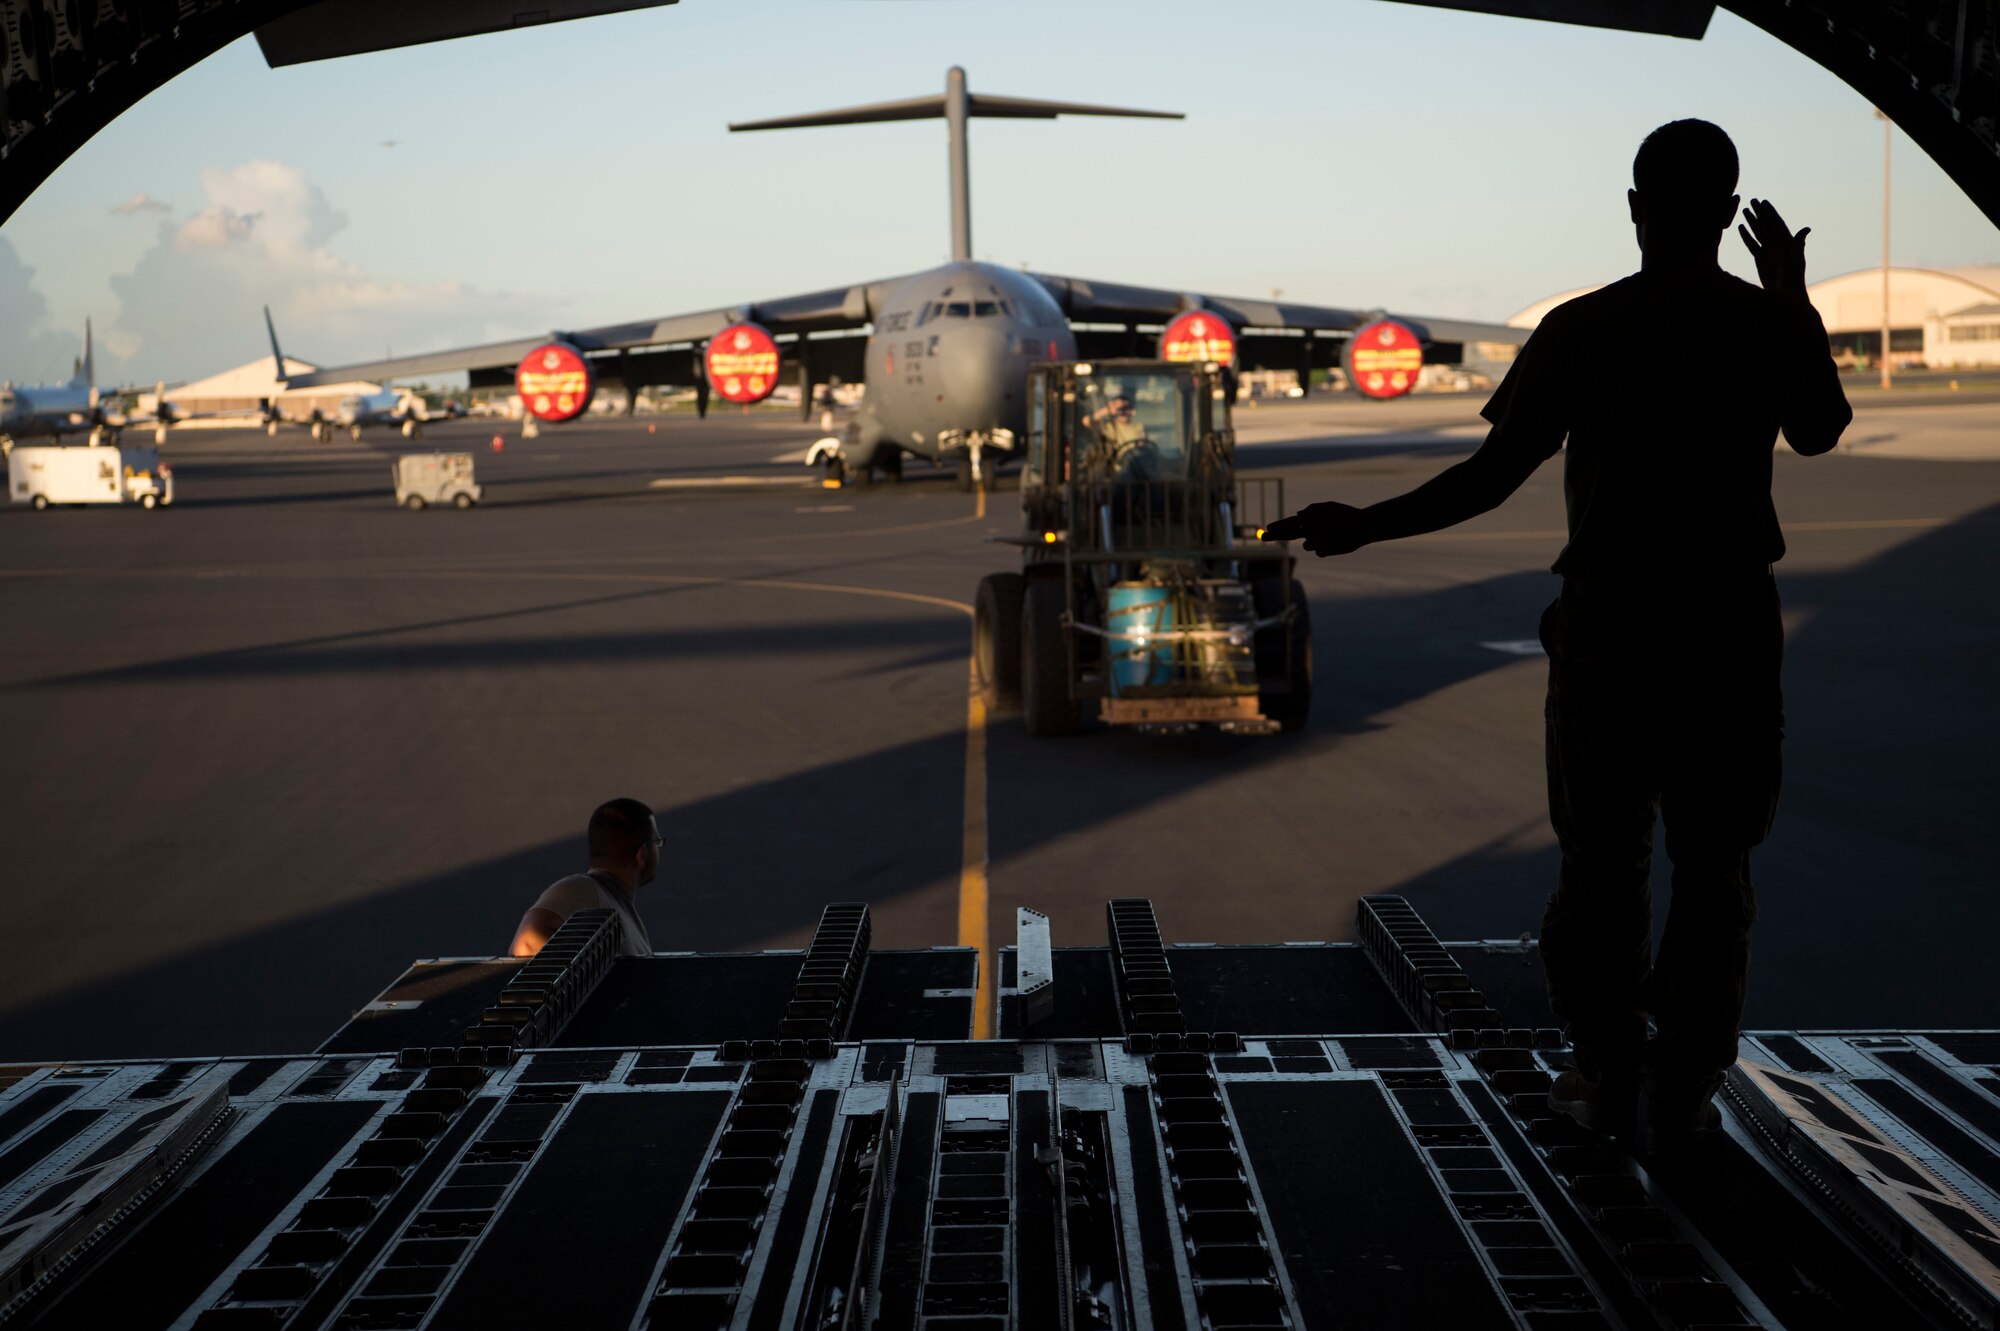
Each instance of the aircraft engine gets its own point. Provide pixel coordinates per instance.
(1382, 359)
(742, 363)
(1198, 335)
(555, 383)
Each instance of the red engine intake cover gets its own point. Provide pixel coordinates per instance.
(1383, 359)
(1198, 336)
(555, 383)
(742, 363)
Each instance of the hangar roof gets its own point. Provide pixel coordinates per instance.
(1852, 302)
(255, 380)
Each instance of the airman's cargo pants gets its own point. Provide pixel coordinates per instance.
(1669, 707)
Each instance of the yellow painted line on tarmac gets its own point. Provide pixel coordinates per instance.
(730, 482)
(974, 912)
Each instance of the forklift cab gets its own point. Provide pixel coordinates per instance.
(1121, 422)
(1146, 588)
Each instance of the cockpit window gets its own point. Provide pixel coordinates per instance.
(1134, 427)
(962, 309)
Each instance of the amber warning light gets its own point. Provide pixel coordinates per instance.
(555, 382)
(742, 363)
(1198, 336)
(1383, 359)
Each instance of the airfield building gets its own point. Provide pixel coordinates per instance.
(244, 390)
(1943, 318)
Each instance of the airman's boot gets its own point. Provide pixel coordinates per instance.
(1680, 1113)
(1607, 1105)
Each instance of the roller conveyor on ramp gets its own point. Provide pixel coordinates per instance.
(1174, 1136)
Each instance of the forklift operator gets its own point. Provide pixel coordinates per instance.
(1124, 447)
(624, 848)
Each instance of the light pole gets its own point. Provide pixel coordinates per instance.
(1886, 127)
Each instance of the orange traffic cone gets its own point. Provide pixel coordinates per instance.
(650, 427)
(499, 444)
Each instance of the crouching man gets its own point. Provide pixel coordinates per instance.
(624, 855)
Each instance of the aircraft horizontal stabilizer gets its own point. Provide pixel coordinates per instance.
(1028, 108)
(351, 27)
(934, 108)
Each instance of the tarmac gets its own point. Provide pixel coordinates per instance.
(265, 748)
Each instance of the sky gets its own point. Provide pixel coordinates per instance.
(1345, 152)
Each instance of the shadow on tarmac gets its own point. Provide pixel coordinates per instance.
(1875, 888)
(1875, 907)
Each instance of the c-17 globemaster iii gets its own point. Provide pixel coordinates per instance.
(944, 353)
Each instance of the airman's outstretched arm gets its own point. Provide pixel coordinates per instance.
(1477, 485)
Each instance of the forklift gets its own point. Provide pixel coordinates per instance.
(1147, 596)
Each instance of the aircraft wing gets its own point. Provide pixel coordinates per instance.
(1087, 301)
(834, 309)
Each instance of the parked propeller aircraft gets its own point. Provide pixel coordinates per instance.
(78, 406)
(400, 408)
(943, 353)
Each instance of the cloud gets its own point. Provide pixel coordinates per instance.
(264, 235)
(141, 202)
(215, 228)
(31, 351)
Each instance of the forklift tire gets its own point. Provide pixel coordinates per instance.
(415, 503)
(1280, 654)
(1046, 705)
(996, 639)
(149, 501)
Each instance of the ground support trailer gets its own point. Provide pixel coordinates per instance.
(1162, 1136)
(48, 475)
(1146, 595)
(424, 479)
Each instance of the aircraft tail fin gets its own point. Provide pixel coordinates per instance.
(277, 356)
(84, 373)
(956, 106)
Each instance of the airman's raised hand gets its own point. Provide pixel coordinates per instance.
(1780, 255)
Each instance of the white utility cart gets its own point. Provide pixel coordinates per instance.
(423, 479)
(43, 475)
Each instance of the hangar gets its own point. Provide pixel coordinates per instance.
(1945, 318)
(1942, 318)
(238, 396)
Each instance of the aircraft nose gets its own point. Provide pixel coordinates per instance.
(978, 374)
